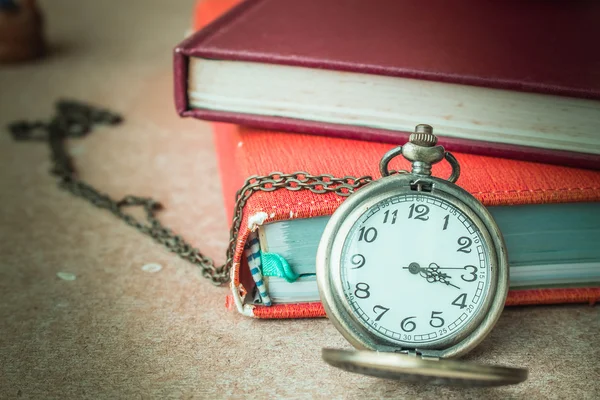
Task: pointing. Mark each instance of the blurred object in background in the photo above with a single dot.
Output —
(21, 31)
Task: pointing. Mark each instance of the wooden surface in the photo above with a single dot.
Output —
(117, 331)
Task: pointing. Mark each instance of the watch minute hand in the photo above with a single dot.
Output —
(438, 267)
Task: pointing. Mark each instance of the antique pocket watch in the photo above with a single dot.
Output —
(412, 270)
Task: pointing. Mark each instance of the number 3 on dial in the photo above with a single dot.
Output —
(472, 274)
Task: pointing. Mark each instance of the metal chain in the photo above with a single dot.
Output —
(294, 182)
(75, 119)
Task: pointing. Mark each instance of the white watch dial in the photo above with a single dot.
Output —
(415, 270)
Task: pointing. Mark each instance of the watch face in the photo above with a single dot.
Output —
(415, 270)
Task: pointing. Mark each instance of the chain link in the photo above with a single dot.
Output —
(75, 119)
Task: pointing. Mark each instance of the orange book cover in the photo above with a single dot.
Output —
(243, 152)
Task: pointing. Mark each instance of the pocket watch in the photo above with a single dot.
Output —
(413, 270)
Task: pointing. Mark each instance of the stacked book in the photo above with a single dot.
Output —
(328, 87)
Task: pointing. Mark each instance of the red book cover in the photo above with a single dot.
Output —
(243, 152)
(432, 41)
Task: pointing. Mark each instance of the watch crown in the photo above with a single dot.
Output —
(423, 136)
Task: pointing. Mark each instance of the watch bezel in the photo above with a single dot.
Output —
(329, 266)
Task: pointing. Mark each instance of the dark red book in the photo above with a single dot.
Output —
(501, 78)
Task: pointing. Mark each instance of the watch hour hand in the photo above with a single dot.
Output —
(450, 284)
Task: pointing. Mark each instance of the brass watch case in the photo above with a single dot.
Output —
(328, 268)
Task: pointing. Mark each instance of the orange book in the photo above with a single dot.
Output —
(243, 152)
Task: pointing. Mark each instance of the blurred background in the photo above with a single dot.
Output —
(80, 316)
